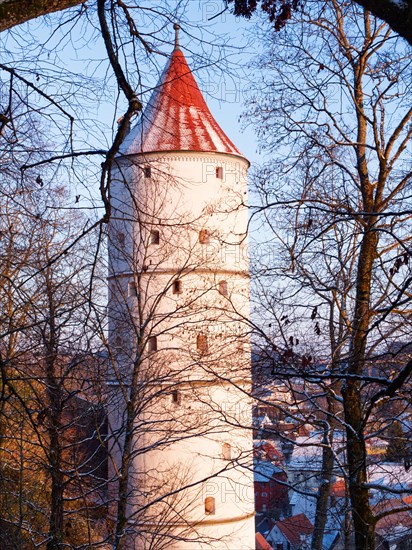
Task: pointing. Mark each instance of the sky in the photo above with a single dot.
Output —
(60, 53)
(225, 92)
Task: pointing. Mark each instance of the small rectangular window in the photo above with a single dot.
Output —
(176, 397)
(202, 343)
(152, 344)
(147, 172)
(219, 172)
(121, 239)
(223, 288)
(177, 287)
(132, 290)
(227, 451)
(204, 236)
(154, 236)
(210, 506)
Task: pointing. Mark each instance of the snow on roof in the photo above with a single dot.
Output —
(304, 504)
(264, 470)
(389, 475)
(307, 451)
(395, 527)
(177, 117)
(262, 421)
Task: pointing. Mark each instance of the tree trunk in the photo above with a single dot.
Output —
(322, 502)
(16, 12)
(363, 521)
(57, 491)
(55, 460)
(397, 14)
(362, 516)
(54, 410)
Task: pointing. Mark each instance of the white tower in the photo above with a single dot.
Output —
(178, 313)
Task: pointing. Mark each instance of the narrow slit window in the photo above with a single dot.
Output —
(177, 287)
(154, 236)
(132, 290)
(210, 506)
(219, 172)
(204, 236)
(227, 451)
(121, 239)
(147, 171)
(202, 343)
(223, 288)
(152, 344)
(176, 397)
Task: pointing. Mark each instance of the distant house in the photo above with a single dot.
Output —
(305, 470)
(394, 531)
(386, 477)
(267, 450)
(294, 533)
(271, 490)
(263, 426)
(305, 467)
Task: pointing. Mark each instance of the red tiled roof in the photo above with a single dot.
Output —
(262, 543)
(399, 519)
(292, 528)
(393, 503)
(266, 450)
(177, 117)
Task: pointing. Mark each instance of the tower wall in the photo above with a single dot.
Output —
(178, 320)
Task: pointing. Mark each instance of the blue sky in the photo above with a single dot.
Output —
(217, 46)
(224, 83)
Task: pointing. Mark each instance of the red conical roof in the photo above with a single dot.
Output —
(177, 117)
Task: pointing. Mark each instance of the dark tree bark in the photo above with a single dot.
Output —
(16, 12)
(54, 421)
(322, 502)
(363, 520)
(398, 15)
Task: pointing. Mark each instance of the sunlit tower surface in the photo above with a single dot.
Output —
(178, 324)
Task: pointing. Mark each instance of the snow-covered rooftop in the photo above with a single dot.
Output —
(264, 470)
(177, 117)
(307, 451)
(387, 476)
